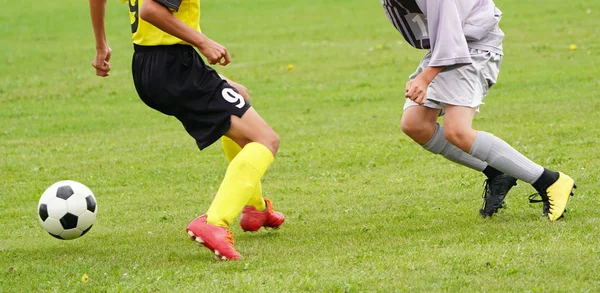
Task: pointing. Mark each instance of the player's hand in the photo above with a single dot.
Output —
(416, 90)
(214, 52)
(102, 62)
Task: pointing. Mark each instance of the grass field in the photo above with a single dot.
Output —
(367, 209)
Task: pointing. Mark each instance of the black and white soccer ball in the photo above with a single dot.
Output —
(67, 209)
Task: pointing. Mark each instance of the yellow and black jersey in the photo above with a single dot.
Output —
(145, 34)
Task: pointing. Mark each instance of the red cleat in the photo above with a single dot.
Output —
(218, 239)
(253, 219)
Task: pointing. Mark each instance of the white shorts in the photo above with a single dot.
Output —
(461, 85)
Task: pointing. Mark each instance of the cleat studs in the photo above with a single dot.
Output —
(223, 258)
(217, 253)
(199, 240)
(191, 234)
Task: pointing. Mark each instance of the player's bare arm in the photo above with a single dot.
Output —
(162, 18)
(416, 89)
(102, 60)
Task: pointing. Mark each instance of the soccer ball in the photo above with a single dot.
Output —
(67, 209)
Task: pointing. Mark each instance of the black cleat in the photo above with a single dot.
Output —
(494, 192)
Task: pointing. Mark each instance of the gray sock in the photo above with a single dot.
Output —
(500, 155)
(439, 145)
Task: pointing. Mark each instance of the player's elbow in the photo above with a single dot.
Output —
(149, 11)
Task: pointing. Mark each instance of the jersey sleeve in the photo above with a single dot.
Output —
(446, 36)
(173, 5)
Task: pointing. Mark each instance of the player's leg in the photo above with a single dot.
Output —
(554, 187)
(231, 149)
(252, 129)
(458, 130)
(214, 109)
(187, 101)
(468, 85)
(259, 211)
(420, 124)
(258, 143)
(241, 89)
(245, 131)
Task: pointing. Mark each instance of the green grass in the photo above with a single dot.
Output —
(367, 209)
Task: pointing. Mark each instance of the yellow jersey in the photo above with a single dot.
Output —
(145, 34)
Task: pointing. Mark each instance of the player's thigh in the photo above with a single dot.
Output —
(419, 122)
(419, 114)
(458, 118)
(458, 126)
(416, 116)
(241, 89)
(205, 106)
(250, 127)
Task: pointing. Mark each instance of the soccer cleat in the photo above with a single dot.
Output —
(557, 195)
(252, 219)
(216, 238)
(494, 192)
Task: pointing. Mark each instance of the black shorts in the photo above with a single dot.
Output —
(175, 81)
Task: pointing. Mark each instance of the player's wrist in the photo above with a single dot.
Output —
(430, 73)
(200, 40)
(102, 46)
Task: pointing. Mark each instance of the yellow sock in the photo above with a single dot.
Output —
(231, 149)
(240, 183)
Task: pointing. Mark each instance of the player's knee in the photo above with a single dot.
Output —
(268, 138)
(272, 142)
(456, 136)
(410, 128)
(242, 90)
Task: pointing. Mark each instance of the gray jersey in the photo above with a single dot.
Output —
(447, 27)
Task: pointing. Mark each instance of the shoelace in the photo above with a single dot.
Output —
(229, 238)
(486, 190)
(532, 198)
(269, 205)
(546, 203)
(486, 187)
(544, 198)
